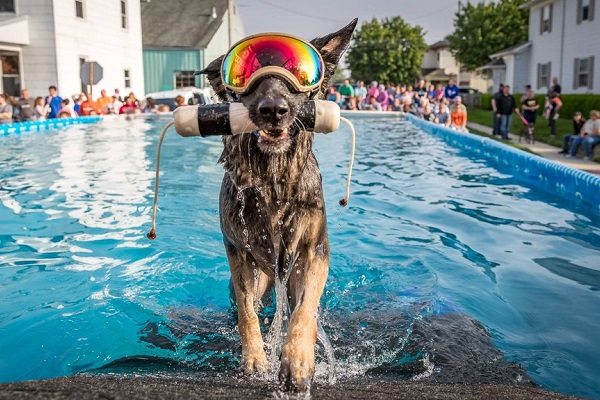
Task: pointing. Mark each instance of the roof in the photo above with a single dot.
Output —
(442, 44)
(180, 23)
(435, 73)
(532, 3)
(516, 49)
(498, 63)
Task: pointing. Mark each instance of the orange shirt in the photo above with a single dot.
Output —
(88, 106)
(458, 116)
(103, 102)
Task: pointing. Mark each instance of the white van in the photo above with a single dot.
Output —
(192, 96)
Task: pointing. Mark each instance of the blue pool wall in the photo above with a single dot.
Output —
(550, 176)
(54, 123)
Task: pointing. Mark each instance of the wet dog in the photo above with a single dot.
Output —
(528, 133)
(272, 213)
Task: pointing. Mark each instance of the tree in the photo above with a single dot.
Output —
(483, 29)
(387, 51)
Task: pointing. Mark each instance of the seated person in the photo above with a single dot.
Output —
(578, 122)
(458, 115)
(373, 104)
(396, 105)
(588, 137)
(442, 117)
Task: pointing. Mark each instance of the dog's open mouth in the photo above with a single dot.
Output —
(274, 135)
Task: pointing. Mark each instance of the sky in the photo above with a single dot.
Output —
(311, 18)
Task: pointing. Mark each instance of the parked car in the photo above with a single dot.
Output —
(191, 95)
(467, 90)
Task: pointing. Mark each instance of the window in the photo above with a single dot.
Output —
(583, 73)
(127, 78)
(546, 19)
(7, 6)
(585, 10)
(11, 76)
(543, 78)
(79, 11)
(124, 14)
(184, 79)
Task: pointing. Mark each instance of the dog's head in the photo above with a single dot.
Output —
(273, 103)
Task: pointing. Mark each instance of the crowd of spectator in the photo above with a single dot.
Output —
(436, 103)
(27, 108)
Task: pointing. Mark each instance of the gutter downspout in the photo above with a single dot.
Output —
(562, 44)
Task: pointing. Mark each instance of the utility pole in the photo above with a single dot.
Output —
(229, 20)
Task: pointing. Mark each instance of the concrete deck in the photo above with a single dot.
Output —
(546, 151)
(133, 387)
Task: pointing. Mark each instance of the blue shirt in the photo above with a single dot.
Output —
(450, 92)
(54, 106)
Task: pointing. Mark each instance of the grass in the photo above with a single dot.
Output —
(542, 130)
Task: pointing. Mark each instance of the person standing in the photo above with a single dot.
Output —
(505, 106)
(529, 105)
(496, 119)
(6, 110)
(555, 87)
(555, 105)
(26, 105)
(451, 90)
(103, 101)
(53, 101)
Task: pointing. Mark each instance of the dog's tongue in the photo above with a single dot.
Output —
(275, 135)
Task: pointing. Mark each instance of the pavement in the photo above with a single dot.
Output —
(546, 151)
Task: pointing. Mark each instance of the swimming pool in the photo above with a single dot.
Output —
(436, 244)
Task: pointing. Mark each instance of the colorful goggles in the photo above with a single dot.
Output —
(268, 54)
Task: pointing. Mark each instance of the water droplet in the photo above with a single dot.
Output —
(292, 230)
(269, 251)
(280, 222)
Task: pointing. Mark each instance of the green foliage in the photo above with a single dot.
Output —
(583, 103)
(482, 29)
(387, 51)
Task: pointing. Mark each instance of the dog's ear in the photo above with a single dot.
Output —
(332, 47)
(213, 74)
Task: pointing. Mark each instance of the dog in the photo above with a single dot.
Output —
(272, 212)
(528, 132)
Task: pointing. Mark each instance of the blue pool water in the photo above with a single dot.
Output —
(434, 246)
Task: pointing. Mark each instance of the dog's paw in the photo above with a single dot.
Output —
(297, 366)
(255, 364)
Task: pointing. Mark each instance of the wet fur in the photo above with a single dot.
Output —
(272, 209)
(528, 132)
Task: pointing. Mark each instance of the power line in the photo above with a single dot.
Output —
(300, 13)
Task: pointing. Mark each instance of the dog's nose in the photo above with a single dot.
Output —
(274, 108)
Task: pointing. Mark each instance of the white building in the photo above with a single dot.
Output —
(44, 42)
(563, 42)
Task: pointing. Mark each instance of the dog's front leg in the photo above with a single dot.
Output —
(254, 358)
(298, 353)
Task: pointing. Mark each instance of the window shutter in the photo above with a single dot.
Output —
(576, 74)
(579, 6)
(549, 74)
(542, 21)
(539, 76)
(591, 11)
(591, 73)
(550, 22)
